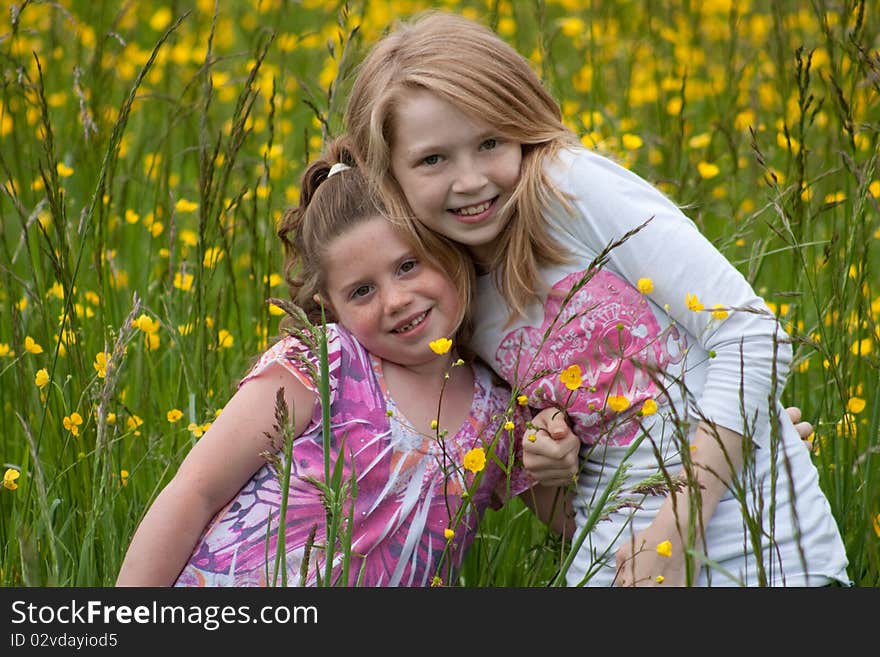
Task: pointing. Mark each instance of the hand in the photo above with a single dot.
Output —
(550, 451)
(804, 429)
(640, 564)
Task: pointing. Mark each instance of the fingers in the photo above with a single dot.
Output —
(550, 462)
(794, 413)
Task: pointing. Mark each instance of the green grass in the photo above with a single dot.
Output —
(146, 154)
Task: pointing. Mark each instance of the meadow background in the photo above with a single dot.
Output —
(147, 150)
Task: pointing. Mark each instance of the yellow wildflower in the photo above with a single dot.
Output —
(659, 579)
(618, 403)
(183, 281)
(173, 415)
(708, 170)
(508, 426)
(645, 285)
(475, 460)
(123, 477)
(664, 549)
(146, 324)
(4, 349)
(72, 422)
(448, 533)
(855, 405)
(877, 525)
(132, 423)
(31, 346)
(718, 312)
(434, 424)
(522, 400)
(63, 170)
(631, 142)
(440, 346)
(42, 378)
(225, 339)
(186, 206)
(693, 303)
(649, 407)
(100, 364)
(571, 377)
(9, 478)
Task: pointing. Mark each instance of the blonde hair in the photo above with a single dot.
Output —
(472, 68)
(329, 206)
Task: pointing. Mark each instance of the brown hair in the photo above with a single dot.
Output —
(328, 207)
(471, 67)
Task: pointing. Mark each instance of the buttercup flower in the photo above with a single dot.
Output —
(9, 478)
(123, 477)
(855, 405)
(31, 346)
(508, 426)
(100, 364)
(434, 424)
(42, 378)
(649, 407)
(664, 549)
(571, 377)
(440, 346)
(173, 415)
(475, 460)
(448, 533)
(72, 422)
(659, 579)
(718, 312)
(645, 285)
(693, 303)
(877, 525)
(522, 400)
(618, 403)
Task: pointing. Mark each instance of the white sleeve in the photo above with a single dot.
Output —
(752, 354)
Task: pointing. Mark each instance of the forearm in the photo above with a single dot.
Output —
(716, 458)
(552, 506)
(165, 538)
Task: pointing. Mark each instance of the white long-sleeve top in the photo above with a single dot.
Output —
(633, 347)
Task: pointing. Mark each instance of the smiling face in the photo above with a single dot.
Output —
(392, 301)
(456, 172)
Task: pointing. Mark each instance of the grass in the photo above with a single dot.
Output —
(147, 153)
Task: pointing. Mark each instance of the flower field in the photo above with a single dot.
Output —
(147, 151)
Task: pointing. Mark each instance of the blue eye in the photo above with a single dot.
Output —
(431, 160)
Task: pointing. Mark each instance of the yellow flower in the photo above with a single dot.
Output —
(183, 281)
(448, 533)
(434, 424)
(9, 478)
(855, 405)
(436, 581)
(146, 324)
(225, 339)
(100, 364)
(4, 348)
(708, 170)
(876, 524)
(693, 303)
(173, 415)
(195, 430)
(649, 407)
(31, 346)
(645, 285)
(664, 549)
(186, 206)
(718, 312)
(72, 422)
(532, 437)
(132, 423)
(508, 426)
(63, 170)
(475, 460)
(618, 403)
(631, 142)
(522, 400)
(42, 378)
(123, 477)
(659, 579)
(440, 346)
(152, 341)
(571, 377)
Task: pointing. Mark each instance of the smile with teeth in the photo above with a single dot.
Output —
(470, 210)
(411, 325)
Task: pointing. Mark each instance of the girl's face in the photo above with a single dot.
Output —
(391, 301)
(456, 172)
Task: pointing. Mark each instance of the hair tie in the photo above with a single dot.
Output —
(336, 168)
